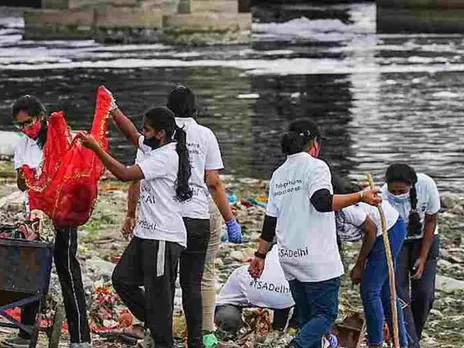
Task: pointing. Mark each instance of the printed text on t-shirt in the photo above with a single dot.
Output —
(147, 225)
(265, 286)
(194, 148)
(147, 194)
(289, 186)
(288, 253)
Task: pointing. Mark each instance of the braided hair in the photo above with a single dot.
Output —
(399, 172)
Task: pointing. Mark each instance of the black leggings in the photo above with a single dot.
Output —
(152, 264)
(69, 273)
(192, 264)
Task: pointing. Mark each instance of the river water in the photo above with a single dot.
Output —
(378, 98)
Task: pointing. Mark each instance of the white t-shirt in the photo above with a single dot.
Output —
(27, 152)
(160, 212)
(428, 200)
(271, 290)
(350, 219)
(204, 155)
(306, 238)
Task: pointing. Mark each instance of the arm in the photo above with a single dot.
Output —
(256, 268)
(267, 236)
(430, 224)
(133, 194)
(342, 201)
(218, 192)
(20, 182)
(118, 169)
(263, 246)
(325, 202)
(370, 235)
(126, 126)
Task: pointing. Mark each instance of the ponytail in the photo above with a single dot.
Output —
(414, 225)
(183, 191)
(292, 143)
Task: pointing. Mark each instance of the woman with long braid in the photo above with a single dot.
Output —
(416, 198)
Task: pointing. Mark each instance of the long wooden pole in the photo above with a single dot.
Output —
(391, 271)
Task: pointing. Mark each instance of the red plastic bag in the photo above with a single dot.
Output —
(66, 188)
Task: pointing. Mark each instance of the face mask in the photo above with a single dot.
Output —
(151, 142)
(398, 198)
(33, 130)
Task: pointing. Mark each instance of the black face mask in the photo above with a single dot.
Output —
(151, 142)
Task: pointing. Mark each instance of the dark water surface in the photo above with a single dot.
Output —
(378, 99)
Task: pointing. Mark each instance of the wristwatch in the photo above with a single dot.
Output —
(260, 255)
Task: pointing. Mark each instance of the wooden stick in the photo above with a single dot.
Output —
(391, 270)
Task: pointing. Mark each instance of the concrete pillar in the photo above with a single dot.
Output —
(143, 20)
(214, 6)
(55, 4)
(167, 6)
(58, 24)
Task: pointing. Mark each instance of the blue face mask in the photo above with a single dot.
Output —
(398, 198)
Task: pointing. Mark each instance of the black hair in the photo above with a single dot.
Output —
(30, 104)
(162, 118)
(342, 186)
(399, 172)
(182, 102)
(34, 108)
(299, 135)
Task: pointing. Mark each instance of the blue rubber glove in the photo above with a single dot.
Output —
(234, 231)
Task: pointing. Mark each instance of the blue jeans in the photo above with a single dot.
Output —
(419, 295)
(375, 288)
(317, 305)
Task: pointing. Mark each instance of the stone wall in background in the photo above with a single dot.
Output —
(420, 16)
(174, 21)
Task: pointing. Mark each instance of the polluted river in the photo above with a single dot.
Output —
(377, 98)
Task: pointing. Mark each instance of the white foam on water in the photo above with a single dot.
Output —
(329, 30)
(9, 21)
(446, 94)
(187, 54)
(275, 52)
(248, 96)
(125, 48)
(281, 66)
